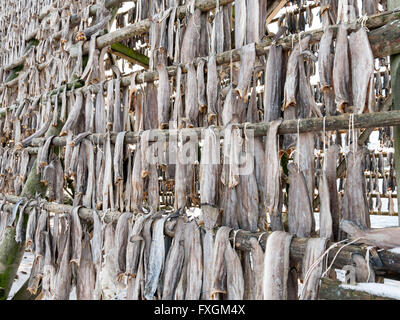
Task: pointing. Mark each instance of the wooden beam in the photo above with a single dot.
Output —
(129, 54)
(390, 261)
(366, 120)
(275, 11)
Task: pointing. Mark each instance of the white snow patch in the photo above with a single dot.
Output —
(395, 250)
(379, 289)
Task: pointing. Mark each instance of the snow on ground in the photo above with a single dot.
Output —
(380, 289)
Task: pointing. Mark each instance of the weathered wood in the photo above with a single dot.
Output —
(129, 54)
(332, 290)
(390, 261)
(367, 120)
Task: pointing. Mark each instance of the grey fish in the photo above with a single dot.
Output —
(134, 246)
(212, 88)
(96, 243)
(325, 59)
(256, 259)
(39, 238)
(385, 238)
(30, 230)
(325, 230)
(119, 157)
(240, 23)
(120, 242)
(300, 213)
(362, 67)
(76, 236)
(74, 115)
(273, 177)
(100, 121)
(86, 276)
(20, 228)
(273, 84)
(191, 102)
(190, 42)
(156, 259)
(355, 205)
(208, 254)
(117, 116)
(219, 268)
(253, 21)
(341, 69)
(194, 264)
(276, 266)
(247, 59)
(331, 160)
(49, 270)
(163, 91)
(234, 274)
(315, 249)
(201, 86)
(14, 211)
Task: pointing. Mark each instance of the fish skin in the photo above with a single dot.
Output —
(151, 116)
(247, 59)
(354, 203)
(100, 113)
(326, 229)
(325, 59)
(120, 243)
(256, 272)
(99, 176)
(212, 88)
(20, 228)
(248, 201)
(363, 271)
(300, 212)
(30, 230)
(191, 102)
(253, 21)
(272, 177)
(39, 239)
(191, 38)
(201, 86)
(330, 171)
(118, 157)
(49, 271)
(341, 70)
(117, 116)
(315, 249)
(43, 160)
(292, 74)
(240, 23)
(153, 188)
(156, 259)
(74, 114)
(194, 264)
(96, 243)
(177, 113)
(385, 238)
(137, 181)
(362, 67)
(163, 91)
(276, 266)
(86, 276)
(218, 28)
(234, 274)
(273, 84)
(181, 178)
(227, 9)
(232, 146)
(219, 268)
(76, 236)
(134, 246)
(110, 105)
(108, 194)
(64, 273)
(88, 199)
(208, 254)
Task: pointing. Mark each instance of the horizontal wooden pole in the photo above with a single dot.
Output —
(366, 120)
(390, 261)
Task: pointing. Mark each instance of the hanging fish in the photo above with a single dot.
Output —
(191, 38)
(212, 88)
(325, 59)
(86, 275)
(325, 216)
(362, 63)
(341, 70)
(276, 266)
(74, 115)
(120, 242)
(163, 90)
(240, 23)
(76, 236)
(273, 83)
(201, 86)
(247, 59)
(252, 21)
(300, 213)
(191, 102)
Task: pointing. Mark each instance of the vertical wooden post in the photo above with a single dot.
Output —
(395, 75)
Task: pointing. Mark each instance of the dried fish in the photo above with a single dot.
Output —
(151, 116)
(74, 115)
(96, 243)
(276, 266)
(208, 178)
(201, 86)
(273, 83)
(253, 21)
(272, 178)
(191, 38)
(234, 274)
(300, 213)
(191, 102)
(325, 230)
(315, 249)
(120, 242)
(292, 74)
(108, 192)
(86, 277)
(76, 236)
(325, 59)
(194, 264)
(212, 85)
(30, 230)
(341, 70)
(362, 67)
(208, 254)
(385, 238)
(247, 59)
(219, 269)
(118, 157)
(20, 228)
(135, 246)
(330, 172)
(254, 275)
(163, 91)
(355, 205)
(156, 259)
(240, 23)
